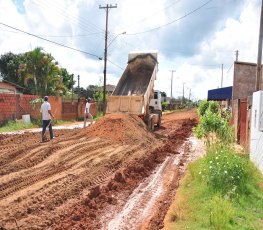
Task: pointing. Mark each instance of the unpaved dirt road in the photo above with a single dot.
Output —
(114, 174)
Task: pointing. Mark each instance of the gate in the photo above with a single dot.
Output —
(243, 122)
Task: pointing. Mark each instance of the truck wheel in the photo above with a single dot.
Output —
(159, 122)
(150, 124)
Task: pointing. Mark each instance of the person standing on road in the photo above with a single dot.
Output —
(46, 118)
(87, 112)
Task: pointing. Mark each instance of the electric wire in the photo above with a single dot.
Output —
(153, 14)
(173, 21)
(62, 36)
(88, 27)
(94, 55)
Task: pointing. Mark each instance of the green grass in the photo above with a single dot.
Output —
(11, 125)
(16, 125)
(197, 206)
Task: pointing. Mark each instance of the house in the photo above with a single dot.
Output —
(109, 88)
(7, 87)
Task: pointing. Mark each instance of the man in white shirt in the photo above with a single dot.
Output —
(46, 118)
(87, 112)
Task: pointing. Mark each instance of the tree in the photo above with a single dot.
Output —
(44, 72)
(32, 67)
(67, 79)
(10, 65)
(38, 72)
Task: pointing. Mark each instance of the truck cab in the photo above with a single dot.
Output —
(156, 101)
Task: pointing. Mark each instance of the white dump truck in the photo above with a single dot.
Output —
(134, 93)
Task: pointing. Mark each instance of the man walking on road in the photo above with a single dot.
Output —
(87, 112)
(46, 118)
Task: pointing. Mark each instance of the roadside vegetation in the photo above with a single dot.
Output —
(222, 190)
(15, 125)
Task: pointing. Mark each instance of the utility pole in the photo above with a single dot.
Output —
(107, 7)
(183, 93)
(72, 77)
(222, 75)
(236, 55)
(189, 98)
(258, 74)
(172, 83)
(78, 88)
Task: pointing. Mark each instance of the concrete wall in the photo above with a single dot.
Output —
(256, 136)
(244, 80)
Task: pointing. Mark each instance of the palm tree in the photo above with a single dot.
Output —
(51, 76)
(32, 70)
(44, 71)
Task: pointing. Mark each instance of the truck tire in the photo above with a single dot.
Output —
(151, 124)
(159, 122)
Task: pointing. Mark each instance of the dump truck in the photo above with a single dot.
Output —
(134, 93)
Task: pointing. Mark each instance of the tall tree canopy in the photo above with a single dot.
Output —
(36, 71)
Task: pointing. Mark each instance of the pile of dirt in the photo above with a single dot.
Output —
(129, 129)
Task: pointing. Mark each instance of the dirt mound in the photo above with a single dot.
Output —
(129, 129)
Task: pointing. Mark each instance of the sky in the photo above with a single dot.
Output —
(196, 40)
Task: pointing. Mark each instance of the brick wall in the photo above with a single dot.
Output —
(13, 106)
(244, 80)
(7, 106)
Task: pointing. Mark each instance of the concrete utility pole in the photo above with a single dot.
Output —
(183, 93)
(236, 55)
(172, 83)
(258, 74)
(72, 77)
(189, 98)
(107, 7)
(222, 75)
(78, 88)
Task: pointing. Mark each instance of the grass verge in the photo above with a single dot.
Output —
(16, 125)
(197, 206)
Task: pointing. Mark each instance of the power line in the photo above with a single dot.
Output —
(169, 23)
(57, 36)
(76, 20)
(94, 55)
(154, 14)
(115, 64)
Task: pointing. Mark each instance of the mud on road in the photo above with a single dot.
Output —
(101, 177)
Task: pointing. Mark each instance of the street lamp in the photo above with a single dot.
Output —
(105, 66)
(115, 38)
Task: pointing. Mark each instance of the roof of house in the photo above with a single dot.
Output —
(220, 93)
(110, 88)
(11, 83)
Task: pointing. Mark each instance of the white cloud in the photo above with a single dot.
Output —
(195, 46)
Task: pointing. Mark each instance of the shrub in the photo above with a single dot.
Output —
(225, 172)
(213, 106)
(212, 125)
(202, 107)
(164, 105)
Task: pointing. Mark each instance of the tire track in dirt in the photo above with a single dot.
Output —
(86, 213)
(67, 183)
(75, 151)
